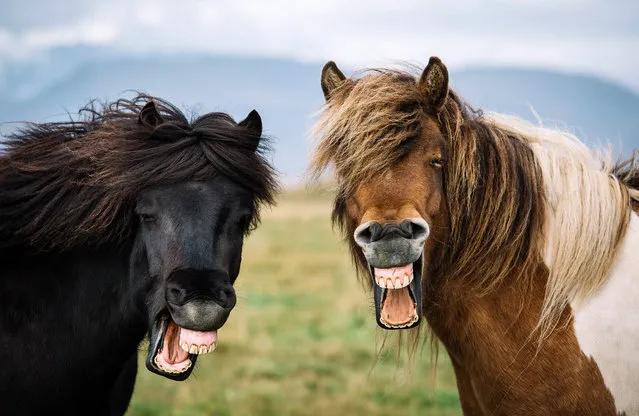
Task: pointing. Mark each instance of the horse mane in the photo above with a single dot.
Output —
(628, 172)
(74, 183)
(519, 195)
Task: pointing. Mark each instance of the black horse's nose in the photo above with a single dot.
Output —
(410, 229)
(200, 300)
(186, 285)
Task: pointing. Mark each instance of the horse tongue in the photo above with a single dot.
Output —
(171, 353)
(398, 307)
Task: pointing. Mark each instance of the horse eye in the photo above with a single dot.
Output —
(437, 162)
(148, 218)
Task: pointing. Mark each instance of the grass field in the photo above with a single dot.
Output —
(302, 339)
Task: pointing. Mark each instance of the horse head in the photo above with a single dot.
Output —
(389, 162)
(188, 245)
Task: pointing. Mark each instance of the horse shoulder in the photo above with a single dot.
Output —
(503, 370)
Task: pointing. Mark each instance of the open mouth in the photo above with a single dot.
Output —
(398, 295)
(173, 350)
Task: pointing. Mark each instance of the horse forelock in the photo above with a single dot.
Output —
(522, 196)
(367, 126)
(74, 183)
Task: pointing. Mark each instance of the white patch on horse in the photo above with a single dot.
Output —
(607, 325)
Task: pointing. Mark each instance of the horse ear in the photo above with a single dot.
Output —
(434, 83)
(332, 78)
(149, 115)
(253, 122)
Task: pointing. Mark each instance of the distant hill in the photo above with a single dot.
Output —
(284, 93)
(287, 94)
(596, 111)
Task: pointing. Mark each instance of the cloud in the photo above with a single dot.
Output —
(85, 32)
(573, 35)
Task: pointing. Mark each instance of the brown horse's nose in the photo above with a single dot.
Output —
(414, 229)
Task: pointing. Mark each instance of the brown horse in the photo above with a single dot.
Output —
(516, 243)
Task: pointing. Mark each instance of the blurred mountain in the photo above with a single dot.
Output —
(284, 93)
(597, 111)
(287, 94)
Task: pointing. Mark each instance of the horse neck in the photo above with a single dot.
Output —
(78, 275)
(458, 307)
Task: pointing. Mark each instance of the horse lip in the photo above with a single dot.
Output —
(156, 340)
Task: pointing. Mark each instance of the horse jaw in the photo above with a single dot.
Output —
(398, 295)
(165, 356)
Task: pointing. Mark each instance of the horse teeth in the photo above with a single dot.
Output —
(203, 349)
(193, 349)
(185, 346)
(394, 282)
(172, 370)
(399, 282)
(212, 347)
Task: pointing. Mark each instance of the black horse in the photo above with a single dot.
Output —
(125, 222)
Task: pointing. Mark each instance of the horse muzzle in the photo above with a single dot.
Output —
(394, 253)
(200, 300)
(198, 304)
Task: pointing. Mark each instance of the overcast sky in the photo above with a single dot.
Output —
(599, 37)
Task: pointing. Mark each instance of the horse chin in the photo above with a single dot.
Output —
(398, 295)
(166, 357)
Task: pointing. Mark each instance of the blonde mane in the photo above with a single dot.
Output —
(522, 196)
(587, 212)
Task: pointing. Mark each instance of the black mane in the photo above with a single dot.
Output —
(72, 183)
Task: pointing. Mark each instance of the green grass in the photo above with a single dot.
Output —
(302, 339)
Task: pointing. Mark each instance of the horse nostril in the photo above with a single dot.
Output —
(415, 229)
(175, 294)
(367, 233)
(221, 297)
(226, 297)
(407, 227)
